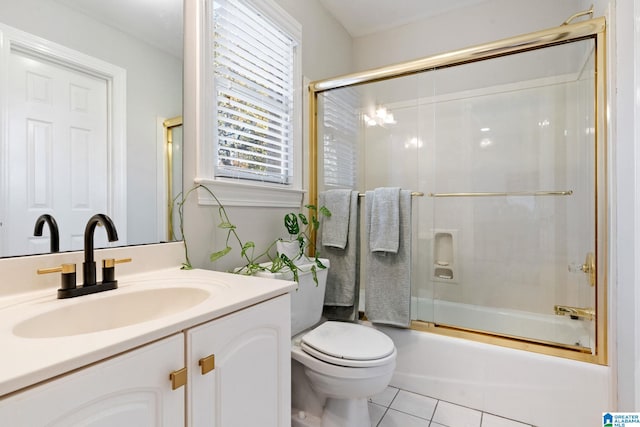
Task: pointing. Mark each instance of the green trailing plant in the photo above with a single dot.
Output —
(302, 234)
(268, 260)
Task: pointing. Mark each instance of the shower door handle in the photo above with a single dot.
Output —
(589, 267)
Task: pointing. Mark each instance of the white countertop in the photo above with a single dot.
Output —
(27, 361)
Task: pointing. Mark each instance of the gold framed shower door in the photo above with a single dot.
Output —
(567, 32)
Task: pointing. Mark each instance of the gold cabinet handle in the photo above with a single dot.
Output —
(178, 378)
(207, 364)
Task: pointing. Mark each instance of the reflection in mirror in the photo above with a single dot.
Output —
(89, 85)
(173, 151)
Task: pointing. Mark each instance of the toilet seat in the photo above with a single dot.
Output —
(348, 344)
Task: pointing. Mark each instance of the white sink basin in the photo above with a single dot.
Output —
(110, 312)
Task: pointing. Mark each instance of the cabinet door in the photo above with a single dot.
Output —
(130, 390)
(251, 382)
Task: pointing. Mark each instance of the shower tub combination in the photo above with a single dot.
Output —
(504, 147)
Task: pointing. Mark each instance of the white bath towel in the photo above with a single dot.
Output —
(388, 276)
(343, 279)
(384, 235)
(335, 228)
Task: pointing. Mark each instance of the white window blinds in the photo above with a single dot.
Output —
(340, 137)
(253, 64)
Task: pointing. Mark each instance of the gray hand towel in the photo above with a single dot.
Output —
(384, 235)
(335, 228)
(388, 276)
(343, 278)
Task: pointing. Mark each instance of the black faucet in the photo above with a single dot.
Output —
(54, 240)
(89, 265)
(68, 287)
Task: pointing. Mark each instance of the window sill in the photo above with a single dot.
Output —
(243, 194)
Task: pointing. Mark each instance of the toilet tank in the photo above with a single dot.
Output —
(308, 299)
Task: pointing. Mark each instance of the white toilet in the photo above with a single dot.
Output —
(335, 366)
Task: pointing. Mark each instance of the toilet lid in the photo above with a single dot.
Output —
(345, 342)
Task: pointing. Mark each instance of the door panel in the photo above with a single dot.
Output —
(58, 121)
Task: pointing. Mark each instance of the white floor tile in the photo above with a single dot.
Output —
(489, 420)
(400, 408)
(375, 413)
(414, 404)
(385, 397)
(452, 415)
(400, 419)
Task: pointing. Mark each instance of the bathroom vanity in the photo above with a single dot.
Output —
(199, 348)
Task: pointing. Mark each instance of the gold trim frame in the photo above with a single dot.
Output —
(589, 29)
(169, 125)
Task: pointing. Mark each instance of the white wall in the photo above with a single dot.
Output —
(326, 45)
(624, 76)
(154, 88)
(481, 23)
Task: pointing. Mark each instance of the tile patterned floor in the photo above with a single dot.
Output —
(399, 408)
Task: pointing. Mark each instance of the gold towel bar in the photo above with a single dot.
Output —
(413, 194)
(513, 193)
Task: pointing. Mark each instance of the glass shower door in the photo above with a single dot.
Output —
(513, 195)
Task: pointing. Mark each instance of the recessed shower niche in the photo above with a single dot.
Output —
(445, 256)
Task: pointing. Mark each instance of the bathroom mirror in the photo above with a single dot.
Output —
(142, 41)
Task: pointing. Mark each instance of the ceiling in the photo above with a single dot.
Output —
(158, 22)
(364, 17)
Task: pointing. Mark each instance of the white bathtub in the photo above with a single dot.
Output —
(545, 391)
(509, 322)
(542, 327)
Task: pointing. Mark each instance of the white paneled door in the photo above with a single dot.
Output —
(57, 152)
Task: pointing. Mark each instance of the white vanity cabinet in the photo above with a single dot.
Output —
(132, 389)
(248, 383)
(222, 368)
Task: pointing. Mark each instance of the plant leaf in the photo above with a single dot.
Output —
(217, 255)
(303, 218)
(226, 225)
(325, 211)
(277, 264)
(246, 247)
(291, 223)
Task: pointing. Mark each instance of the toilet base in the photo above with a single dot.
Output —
(346, 412)
(304, 419)
(337, 413)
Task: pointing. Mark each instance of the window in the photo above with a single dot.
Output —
(339, 137)
(256, 80)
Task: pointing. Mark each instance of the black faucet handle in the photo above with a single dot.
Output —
(67, 278)
(108, 268)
